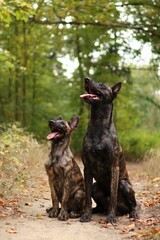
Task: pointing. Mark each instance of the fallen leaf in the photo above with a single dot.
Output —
(14, 202)
(40, 217)
(102, 221)
(2, 202)
(156, 179)
(7, 223)
(123, 232)
(130, 227)
(68, 223)
(46, 198)
(12, 230)
(155, 231)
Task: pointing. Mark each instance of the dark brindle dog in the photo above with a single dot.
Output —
(65, 179)
(103, 158)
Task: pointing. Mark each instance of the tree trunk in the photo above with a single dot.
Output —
(81, 74)
(16, 88)
(33, 99)
(24, 76)
(9, 94)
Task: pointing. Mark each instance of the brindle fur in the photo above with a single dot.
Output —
(103, 158)
(64, 176)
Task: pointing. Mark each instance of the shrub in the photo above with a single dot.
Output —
(138, 142)
(20, 157)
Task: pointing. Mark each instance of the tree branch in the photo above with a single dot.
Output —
(138, 4)
(109, 25)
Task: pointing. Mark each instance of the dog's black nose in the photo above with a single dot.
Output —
(87, 79)
(51, 121)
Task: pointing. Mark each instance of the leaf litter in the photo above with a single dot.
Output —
(147, 192)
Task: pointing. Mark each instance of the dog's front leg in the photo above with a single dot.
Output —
(64, 215)
(111, 217)
(53, 212)
(86, 217)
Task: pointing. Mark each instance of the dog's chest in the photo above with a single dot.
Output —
(99, 148)
(61, 161)
(58, 176)
(61, 164)
(98, 155)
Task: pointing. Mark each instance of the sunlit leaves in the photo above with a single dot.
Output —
(7, 60)
(21, 10)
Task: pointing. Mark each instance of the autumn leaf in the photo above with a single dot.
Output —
(130, 227)
(156, 179)
(14, 202)
(155, 231)
(12, 230)
(2, 202)
(46, 198)
(102, 221)
(40, 217)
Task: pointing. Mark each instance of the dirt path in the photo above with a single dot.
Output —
(24, 217)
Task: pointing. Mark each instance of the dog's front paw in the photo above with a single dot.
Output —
(133, 214)
(111, 218)
(63, 215)
(86, 217)
(48, 209)
(53, 212)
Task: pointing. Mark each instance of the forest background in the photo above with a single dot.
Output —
(47, 47)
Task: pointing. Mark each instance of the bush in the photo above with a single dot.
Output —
(138, 142)
(20, 157)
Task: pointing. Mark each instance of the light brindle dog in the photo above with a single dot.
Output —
(64, 175)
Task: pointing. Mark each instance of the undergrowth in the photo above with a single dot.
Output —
(151, 162)
(21, 158)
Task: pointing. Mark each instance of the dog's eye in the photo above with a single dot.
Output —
(102, 85)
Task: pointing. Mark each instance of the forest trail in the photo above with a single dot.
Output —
(25, 218)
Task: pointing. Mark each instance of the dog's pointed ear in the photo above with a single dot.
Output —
(116, 88)
(59, 117)
(73, 123)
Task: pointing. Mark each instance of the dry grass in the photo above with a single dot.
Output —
(152, 163)
(21, 158)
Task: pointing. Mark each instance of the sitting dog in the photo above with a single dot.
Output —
(65, 178)
(103, 158)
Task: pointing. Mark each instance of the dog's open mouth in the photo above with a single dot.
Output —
(54, 135)
(89, 95)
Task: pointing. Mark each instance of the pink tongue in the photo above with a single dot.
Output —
(89, 95)
(52, 135)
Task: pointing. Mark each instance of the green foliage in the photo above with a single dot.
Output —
(19, 9)
(136, 143)
(136, 117)
(13, 137)
(7, 59)
(34, 85)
